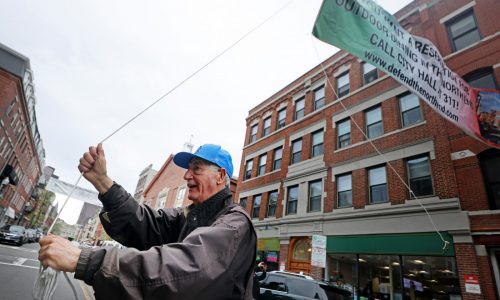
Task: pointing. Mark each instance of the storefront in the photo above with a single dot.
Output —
(268, 251)
(395, 266)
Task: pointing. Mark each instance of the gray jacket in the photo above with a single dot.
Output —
(202, 252)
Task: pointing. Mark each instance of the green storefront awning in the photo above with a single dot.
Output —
(268, 244)
(404, 244)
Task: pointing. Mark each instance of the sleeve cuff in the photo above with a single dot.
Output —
(81, 265)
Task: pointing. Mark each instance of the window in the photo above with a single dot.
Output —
(180, 197)
(278, 152)
(317, 143)
(253, 133)
(262, 164)
(296, 151)
(490, 164)
(344, 190)
(256, 206)
(343, 85)
(410, 110)
(463, 30)
(243, 202)
(162, 198)
(378, 185)
(315, 191)
(248, 169)
(292, 199)
(369, 73)
(267, 126)
(374, 122)
(299, 108)
(344, 133)
(419, 173)
(272, 200)
(319, 97)
(482, 78)
(281, 118)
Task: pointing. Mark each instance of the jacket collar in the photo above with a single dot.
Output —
(203, 214)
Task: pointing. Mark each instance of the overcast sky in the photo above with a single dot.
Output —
(98, 63)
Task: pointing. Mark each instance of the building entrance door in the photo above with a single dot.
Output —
(300, 255)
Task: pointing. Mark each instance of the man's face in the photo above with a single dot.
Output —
(203, 180)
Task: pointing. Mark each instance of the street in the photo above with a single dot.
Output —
(19, 269)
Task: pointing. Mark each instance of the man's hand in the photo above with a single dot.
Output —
(58, 253)
(262, 265)
(93, 166)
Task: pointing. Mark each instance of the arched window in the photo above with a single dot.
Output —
(302, 251)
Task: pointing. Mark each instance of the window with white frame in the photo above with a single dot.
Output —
(319, 97)
(253, 133)
(343, 85)
(419, 175)
(278, 153)
(272, 201)
(317, 143)
(162, 199)
(377, 180)
(267, 126)
(410, 110)
(292, 199)
(482, 78)
(256, 206)
(281, 118)
(369, 73)
(344, 133)
(299, 108)
(374, 126)
(315, 192)
(179, 200)
(248, 169)
(296, 151)
(262, 165)
(463, 30)
(344, 190)
(243, 202)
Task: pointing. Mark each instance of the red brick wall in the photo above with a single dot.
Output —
(468, 264)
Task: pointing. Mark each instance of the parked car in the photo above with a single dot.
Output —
(291, 286)
(13, 234)
(30, 235)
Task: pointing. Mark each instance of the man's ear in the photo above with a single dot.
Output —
(223, 174)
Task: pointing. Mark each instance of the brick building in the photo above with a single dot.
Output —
(307, 169)
(22, 155)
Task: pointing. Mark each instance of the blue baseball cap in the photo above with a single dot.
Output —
(209, 152)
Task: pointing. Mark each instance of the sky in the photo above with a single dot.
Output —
(97, 64)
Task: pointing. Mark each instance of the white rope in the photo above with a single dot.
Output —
(445, 242)
(46, 282)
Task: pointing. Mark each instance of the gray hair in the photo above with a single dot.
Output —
(216, 168)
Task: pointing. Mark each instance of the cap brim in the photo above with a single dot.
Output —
(182, 159)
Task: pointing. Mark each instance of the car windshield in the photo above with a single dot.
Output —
(13, 229)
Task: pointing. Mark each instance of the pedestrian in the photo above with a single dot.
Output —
(204, 251)
(260, 274)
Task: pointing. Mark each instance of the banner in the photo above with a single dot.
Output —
(367, 31)
(488, 113)
(318, 251)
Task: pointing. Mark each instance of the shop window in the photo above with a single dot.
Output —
(319, 97)
(317, 143)
(428, 277)
(281, 118)
(463, 30)
(343, 85)
(278, 153)
(262, 165)
(344, 190)
(292, 199)
(315, 192)
(378, 185)
(369, 73)
(256, 206)
(419, 175)
(380, 277)
(343, 272)
(344, 133)
(243, 202)
(374, 122)
(267, 127)
(296, 151)
(299, 108)
(248, 169)
(490, 164)
(253, 134)
(411, 112)
(272, 201)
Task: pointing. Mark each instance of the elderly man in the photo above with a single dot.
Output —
(203, 251)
